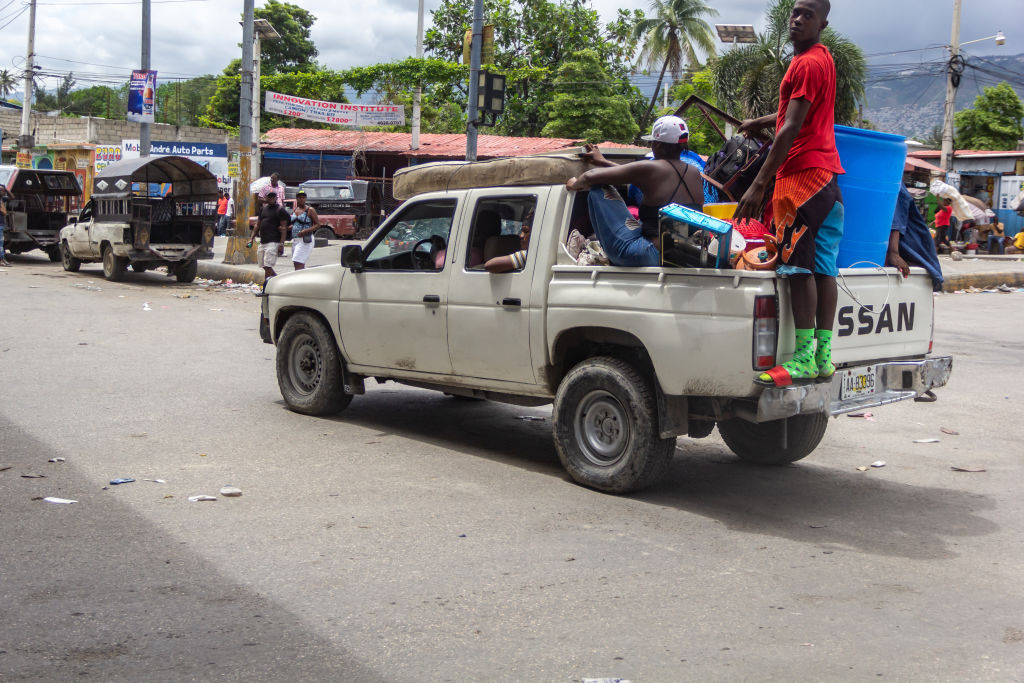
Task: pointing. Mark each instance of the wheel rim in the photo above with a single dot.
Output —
(108, 261)
(305, 364)
(602, 428)
(65, 255)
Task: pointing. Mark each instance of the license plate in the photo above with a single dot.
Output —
(858, 382)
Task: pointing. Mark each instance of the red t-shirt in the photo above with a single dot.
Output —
(811, 76)
(222, 206)
(942, 216)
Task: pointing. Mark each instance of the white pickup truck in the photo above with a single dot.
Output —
(630, 357)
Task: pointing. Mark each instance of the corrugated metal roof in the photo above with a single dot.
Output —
(432, 145)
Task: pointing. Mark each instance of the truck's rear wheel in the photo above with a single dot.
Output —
(309, 367)
(70, 263)
(606, 427)
(53, 251)
(325, 233)
(186, 270)
(113, 265)
(761, 443)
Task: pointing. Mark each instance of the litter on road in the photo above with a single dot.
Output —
(57, 460)
(231, 492)
(200, 499)
(33, 476)
(59, 501)
(951, 432)
(122, 480)
(156, 481)
(967, 469)
(926, 441)
(878, 463)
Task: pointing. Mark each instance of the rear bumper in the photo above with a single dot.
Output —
(896, 381)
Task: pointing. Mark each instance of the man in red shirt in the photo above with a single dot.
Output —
(807, 206)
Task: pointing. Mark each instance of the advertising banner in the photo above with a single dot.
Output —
(142, 97)
(335, 112)
(212, 155)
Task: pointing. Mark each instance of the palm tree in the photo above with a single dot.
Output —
(7, 83)
(672, 36)
(747, 79)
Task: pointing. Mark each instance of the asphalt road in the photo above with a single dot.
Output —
(419, 538)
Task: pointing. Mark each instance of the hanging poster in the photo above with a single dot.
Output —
(335, 112)
(142, 97)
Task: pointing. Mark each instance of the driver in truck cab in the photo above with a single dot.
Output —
(516, 260)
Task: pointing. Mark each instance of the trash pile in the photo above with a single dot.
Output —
(204, 283)
(1001, 289)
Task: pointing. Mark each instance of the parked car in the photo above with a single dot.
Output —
(630, 357)
(144, 213)
(41, 201)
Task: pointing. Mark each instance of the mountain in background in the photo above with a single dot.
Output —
(910, 101)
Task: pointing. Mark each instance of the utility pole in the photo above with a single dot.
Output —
(953, 71)
(474, 78)
(263, 31)
(237, 250)
(144, 138)
(26, 141)
(418, 93)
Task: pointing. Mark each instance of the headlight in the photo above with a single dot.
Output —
(207, 234)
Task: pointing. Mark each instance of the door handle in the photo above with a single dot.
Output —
(431, 299)
(511, 302)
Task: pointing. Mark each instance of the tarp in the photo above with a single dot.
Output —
(460, 175)
(188, 179)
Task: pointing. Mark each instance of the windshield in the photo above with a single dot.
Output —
(5, 175)
(327, 191)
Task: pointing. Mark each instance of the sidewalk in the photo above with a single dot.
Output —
(216, 269)
(982, 272)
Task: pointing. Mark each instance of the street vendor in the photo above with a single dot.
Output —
(807, 206)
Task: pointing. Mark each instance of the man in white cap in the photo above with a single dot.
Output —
(665, 179)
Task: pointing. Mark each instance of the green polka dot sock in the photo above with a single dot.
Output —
(823, 354)
(802, 365)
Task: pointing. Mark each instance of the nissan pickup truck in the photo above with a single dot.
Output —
(630, 358)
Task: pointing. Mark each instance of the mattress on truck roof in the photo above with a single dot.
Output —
(461, 175)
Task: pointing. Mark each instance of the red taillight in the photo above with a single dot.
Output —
(766, 329)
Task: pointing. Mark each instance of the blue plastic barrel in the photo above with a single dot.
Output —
(873, 163)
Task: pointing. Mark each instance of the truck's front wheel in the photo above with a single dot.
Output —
(606, 427)
(186, 271)
(309, 367)
(70, 263)
(762, 443)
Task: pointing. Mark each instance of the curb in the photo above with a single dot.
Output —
(225, 271)
(953, 283)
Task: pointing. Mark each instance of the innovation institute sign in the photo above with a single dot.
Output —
(335, 112)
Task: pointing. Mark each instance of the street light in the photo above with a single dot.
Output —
(736, 33)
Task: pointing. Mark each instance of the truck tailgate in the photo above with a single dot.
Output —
(882, 315)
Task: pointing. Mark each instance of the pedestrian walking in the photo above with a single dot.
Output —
(230, 213)
(304, 224)
(275, 186)
(4, 197)
(222, 213)
(807, 205)
(272, 223)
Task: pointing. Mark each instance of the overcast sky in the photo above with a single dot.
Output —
(194, 37)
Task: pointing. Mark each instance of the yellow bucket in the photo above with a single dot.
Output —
(724, 210)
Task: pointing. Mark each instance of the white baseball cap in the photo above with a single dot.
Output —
(670, 129)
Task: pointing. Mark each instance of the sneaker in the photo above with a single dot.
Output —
(5, 263)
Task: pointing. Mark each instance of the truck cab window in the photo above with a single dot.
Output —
(497, 225)
(416, 240)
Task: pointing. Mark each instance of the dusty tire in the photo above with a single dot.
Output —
(186, 272)
(309, 367)
(325, 234)
(606, 427)
(113, 265)
(70, 263)
(761, 443)
(140, 267)
(54, 253)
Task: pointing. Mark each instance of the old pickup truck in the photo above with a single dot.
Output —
(144, 213)
(631, 358)
(41, 201)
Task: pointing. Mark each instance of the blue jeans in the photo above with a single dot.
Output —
(995, 244)
(617, 230)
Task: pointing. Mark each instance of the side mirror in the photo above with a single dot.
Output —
(352, 257)
(72, 220)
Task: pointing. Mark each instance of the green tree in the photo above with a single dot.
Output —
(183, 102)
(64, 90)
(747, 79)
(585, 105)
(532, 38)
(993, 123)
(7, 83)
(97, 100)
(42, 100)
(671, 37)
(294, 50)
(704, 139)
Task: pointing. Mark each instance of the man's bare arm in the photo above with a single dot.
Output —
(753, 199)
